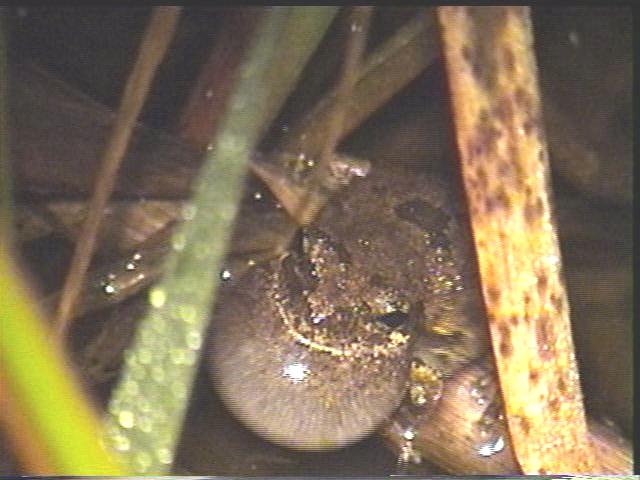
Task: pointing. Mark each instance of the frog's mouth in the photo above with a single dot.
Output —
(353, 332)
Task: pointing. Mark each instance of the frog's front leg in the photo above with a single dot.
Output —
(301, 186)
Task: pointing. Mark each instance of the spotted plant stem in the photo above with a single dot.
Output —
(148, 405)
(496, 104)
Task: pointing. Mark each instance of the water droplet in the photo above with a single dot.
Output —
(187, 313)
(203, 252)
(408, 454)
(179, 390)
(296, 372)
(144, 355)
(177, 355)
(231, 143)
(157, 373)
(492, 447)
(157, 297)
(121, 443)
(356, 27)
(143, 405)
(208, 94)
(209, 147)
(131, 387)
(144, 424)
(189, 211)
(574, 38)
(409, 434)
(190, 357)
(138, 372)
(114, 408)
(158, 325)
(126, 419)
(193, 339)
(225, 275)
(164, 455)
(257, 195)
(238, 102)
(418, 395)
(108, 285)
(178, 242)
(142, 461)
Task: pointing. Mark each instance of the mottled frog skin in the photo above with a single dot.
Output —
(312, 350)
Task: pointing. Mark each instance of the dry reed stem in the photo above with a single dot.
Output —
(152, 50)
(306, 209)
(496, 104)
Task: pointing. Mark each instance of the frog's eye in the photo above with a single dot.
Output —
(394, 319)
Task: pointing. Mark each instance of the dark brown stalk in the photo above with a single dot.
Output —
(387, 70)
(305, 205)
(38, 100)
(359, 22)
(152, 50)
(207, 100)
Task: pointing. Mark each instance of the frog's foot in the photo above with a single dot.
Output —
(469, 398)
(301, 186)
(423, 394)
(404, 426)
(490, 428)
(425, 387)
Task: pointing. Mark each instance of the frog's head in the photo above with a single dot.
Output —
(306, 372)
(314, 351)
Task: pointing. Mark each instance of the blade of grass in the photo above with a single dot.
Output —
(496, 104)
(41, 391)
(45, 415)
(152, 50)
(148, 405)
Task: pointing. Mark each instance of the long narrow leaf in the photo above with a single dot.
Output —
(148, 405)
(58, 430)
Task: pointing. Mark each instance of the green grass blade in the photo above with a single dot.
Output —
(148, 405)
